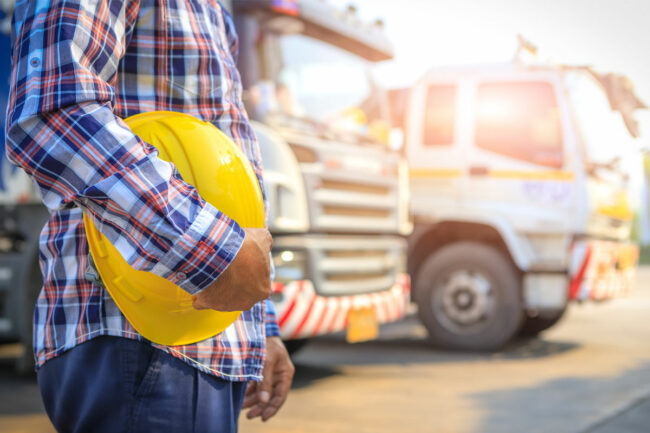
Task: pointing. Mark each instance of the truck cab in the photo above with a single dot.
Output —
(338, 194)
(519, 201)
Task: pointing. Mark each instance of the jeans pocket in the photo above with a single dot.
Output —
(150, 377)
(140, 365)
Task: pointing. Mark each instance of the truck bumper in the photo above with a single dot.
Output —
(302, 313)
(601, 269)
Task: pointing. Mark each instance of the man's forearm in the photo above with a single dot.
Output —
(63, 132)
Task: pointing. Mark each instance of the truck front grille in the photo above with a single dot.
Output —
(362, 204)
(356, 212)
(379, 190)
(344, 265)
(350, 188)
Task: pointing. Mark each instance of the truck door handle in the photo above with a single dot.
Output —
(478, 170)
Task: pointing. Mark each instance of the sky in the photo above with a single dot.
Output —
(610, 35)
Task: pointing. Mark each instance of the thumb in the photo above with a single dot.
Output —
(197, 304)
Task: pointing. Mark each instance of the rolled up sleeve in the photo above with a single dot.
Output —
(62, 130)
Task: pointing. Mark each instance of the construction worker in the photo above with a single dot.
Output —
(79, 68)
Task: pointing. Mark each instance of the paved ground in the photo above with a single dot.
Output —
(590, 374)
(632, 419)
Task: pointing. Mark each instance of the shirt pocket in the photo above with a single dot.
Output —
(196, 52)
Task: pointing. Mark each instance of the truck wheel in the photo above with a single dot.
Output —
(295, 346)
(534, 325)
(25, 363)
(469, 297)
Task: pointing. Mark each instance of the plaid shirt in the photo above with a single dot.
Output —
(80, 67)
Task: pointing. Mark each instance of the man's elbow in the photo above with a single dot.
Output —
(19, 138)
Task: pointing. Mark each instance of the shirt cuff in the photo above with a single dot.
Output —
(270, 320)
(205, 250)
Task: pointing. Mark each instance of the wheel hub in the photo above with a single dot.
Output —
(465, 299)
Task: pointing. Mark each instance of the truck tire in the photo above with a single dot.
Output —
(532, 326)
(469, 297)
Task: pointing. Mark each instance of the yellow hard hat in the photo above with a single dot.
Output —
(158, 309)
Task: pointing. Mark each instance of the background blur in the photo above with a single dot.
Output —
(611, 36)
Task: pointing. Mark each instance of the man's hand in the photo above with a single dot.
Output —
(246, 281)
(266, 397)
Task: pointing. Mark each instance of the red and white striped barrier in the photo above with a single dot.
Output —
(302, 313)
(601, 270)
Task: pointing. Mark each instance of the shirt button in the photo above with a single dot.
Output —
(35, 62)
(180, 276)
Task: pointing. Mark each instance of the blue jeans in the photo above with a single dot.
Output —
(113, 385)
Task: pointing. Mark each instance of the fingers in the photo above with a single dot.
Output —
(197, 304)
(280, 392)
(269, 408)
(269, 395)
(262, 395)
(251, 388)
(250, 398)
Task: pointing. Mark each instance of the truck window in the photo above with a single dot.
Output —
(440, 115)
(520, 120)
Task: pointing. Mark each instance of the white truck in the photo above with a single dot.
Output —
(338, 194)
(518, 198)
(339, 204)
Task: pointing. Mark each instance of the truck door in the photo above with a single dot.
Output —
(433, 148)
(518, 167)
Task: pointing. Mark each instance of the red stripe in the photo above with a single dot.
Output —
(335, 316)
(287, 313)
(305, 317)
(577, 280)
(277, 287)
(321, 319)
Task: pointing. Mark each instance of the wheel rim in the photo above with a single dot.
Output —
(464, 301)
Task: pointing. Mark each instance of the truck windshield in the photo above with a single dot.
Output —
(320, 81)
(307, 78)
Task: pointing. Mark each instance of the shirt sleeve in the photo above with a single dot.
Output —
(62, 130)
(270, 320)
(231, 34)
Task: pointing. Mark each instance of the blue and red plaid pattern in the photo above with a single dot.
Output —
(79, 68)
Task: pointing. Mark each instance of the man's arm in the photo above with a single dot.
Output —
(62, 131)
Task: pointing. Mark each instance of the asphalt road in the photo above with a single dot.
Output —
(590, 374)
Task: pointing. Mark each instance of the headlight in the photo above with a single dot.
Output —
(290, 265)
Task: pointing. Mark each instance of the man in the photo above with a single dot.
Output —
(79, 67)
